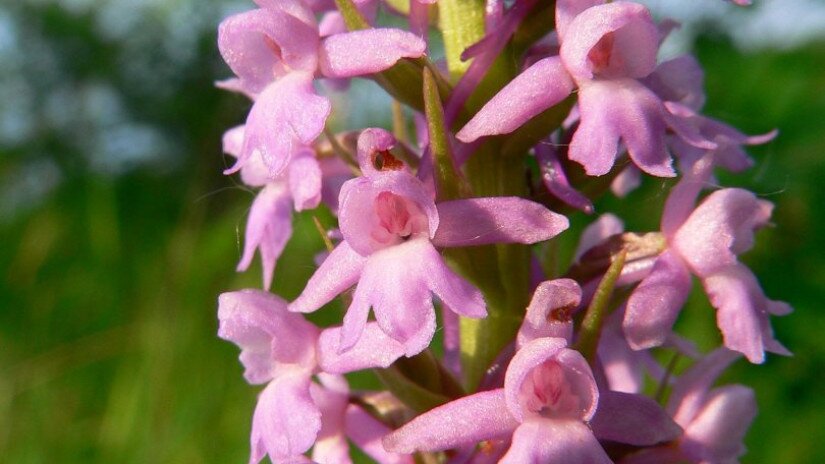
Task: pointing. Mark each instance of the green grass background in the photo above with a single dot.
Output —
(108, 284)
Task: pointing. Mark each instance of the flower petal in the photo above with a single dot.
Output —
(337, 273)
(742, 312)
(482, 221)
(682, 197)
(539, 87)
(576, 372)
(614, 40)
(287, 116)
(359, 218)
(461, 422)
(718, 431)
(268, 229)
(286, 420)
(550, 313)
(305, 181)
(614, 109)
(367, 51)
(331, 445)
(261, 43)
(453, 290)
(367, 433)
(540, 441)
(555, 180)
(566, 10)
(690, 389)
(601, 229)
(654, 305)
(679, 80)
(267, 334)
(373, 349)
(394, 284)
(253, 173)
(720, 228)
(632, 419)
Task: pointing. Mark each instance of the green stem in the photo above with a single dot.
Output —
(462, 24)
(591, 327)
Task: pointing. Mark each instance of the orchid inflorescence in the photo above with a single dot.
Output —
(540, 108)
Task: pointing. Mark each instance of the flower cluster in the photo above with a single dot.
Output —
(540, 361)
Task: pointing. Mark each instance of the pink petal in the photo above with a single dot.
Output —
(286, 420)
(331, 445)
(690, 389)
(539, 87)
(566, 10)
(337, 273)
(451, 341)
(373, 142)
(268, 229)
(465, 421)
(632, 419)
(720, 228)
(396, 283)
(622, 366)
(614, 40)
(286, 117)
(541, 441)
(482, 221)
(373, 349)
(679, 80)
(606, 226)
(453, 290)
(742, 312)
(718, 431)
(555, 180)
(654, 305)
(682, 197)
(268, 335)
(253, 173)
(367, 433)
(550, 313)
(358, 217)
(620, 109)
(305, 181)
(627, 181)
(367, 51)
(262, 44)
(576, 372)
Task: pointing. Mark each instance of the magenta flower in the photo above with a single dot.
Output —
(269, 226)
(281, 348)
(714, 420)
(706, 242)
(549, 395)
(605, 50)
(276, 52)
(391, 228)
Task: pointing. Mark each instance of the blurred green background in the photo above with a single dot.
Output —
(117, 231)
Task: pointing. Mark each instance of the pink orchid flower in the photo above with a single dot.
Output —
(391, 227)
(605, 50)
(277, 51)
(714, 420)
(294, 413)
(549, 395)
(705, 241)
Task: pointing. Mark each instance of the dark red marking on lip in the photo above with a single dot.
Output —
(384, 161)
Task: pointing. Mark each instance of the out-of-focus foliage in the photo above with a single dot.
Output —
(118, 232)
